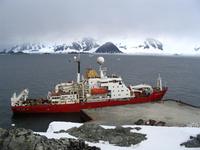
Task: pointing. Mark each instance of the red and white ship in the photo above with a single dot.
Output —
(94, 90)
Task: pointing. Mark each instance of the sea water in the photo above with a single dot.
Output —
(40, 73)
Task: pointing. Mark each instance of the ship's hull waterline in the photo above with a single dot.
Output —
(77, 107)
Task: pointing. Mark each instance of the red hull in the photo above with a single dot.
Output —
(155, 96)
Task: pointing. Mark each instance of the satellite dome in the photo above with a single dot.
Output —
(76, 58)
(100, 60)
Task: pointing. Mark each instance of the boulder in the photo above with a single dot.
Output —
(140, 122)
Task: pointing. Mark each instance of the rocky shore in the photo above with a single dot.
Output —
(25, 139)
(90, 136)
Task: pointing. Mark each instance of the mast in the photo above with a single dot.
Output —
(77, 60)
(159, 82)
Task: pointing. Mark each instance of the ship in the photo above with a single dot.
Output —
(94, 90)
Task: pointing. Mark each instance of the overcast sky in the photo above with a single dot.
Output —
(60, 20)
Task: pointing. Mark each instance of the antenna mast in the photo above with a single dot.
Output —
(77, 59)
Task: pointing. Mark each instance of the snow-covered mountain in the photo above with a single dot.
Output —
(29, 48)
(152, 43)
(149, 46)
(86, 45)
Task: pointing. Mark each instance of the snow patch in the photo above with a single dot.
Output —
(57, 126)
(158, 138)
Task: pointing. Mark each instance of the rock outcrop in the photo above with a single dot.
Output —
(197, 48)
(194, 142)
(108, 47)
(118, 136)
(23, 139)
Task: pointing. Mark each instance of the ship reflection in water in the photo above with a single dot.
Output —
(40, 122)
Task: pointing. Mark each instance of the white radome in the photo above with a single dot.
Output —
(75, 58)
(100, 60)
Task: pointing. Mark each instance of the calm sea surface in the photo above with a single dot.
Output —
(40, 73)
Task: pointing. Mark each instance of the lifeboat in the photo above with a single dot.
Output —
(96, 91)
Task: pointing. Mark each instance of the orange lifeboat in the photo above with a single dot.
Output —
(96, 91)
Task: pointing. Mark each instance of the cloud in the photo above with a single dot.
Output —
(54, 20)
